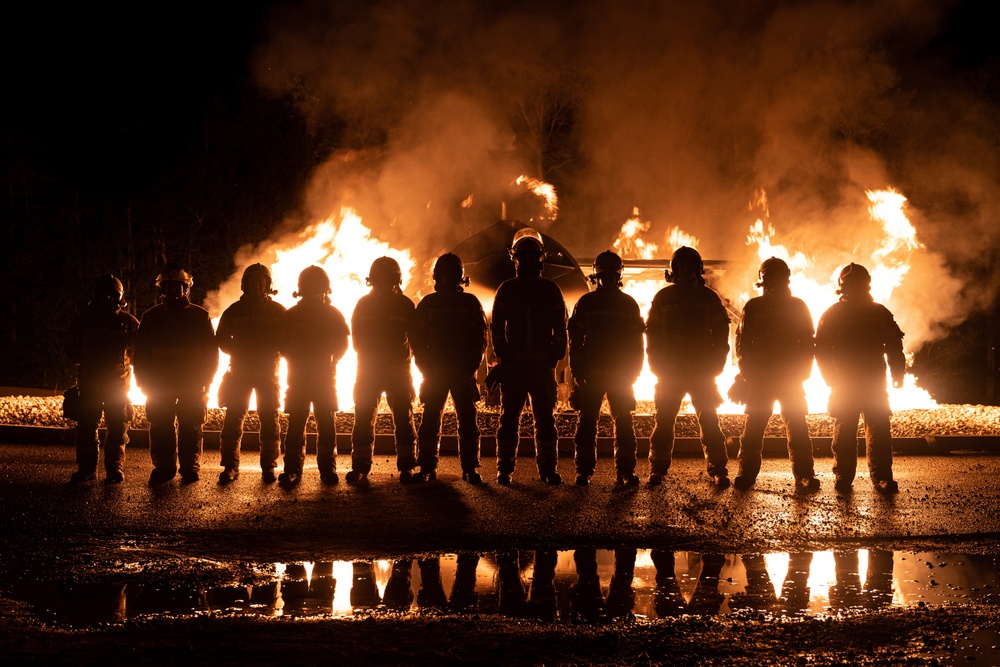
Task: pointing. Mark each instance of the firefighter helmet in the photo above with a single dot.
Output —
(385, 271)
(108, 289)
(313, 281)
(174, 273)
(685, 256)
(257, 270)
(853, 277)
(527, 240)
(771, 270)
(450, 270)
(607, 264)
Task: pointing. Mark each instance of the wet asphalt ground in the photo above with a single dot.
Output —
(945, 502)
(203, 535)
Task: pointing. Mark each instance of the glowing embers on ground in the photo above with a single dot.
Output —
(556, 585)
(887, 257)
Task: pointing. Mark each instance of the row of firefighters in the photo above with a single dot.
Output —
(686, 337)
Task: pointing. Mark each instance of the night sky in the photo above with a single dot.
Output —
(183, 133)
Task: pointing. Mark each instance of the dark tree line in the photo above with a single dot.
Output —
(121, 148)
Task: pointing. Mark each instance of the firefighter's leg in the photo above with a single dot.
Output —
(878, 437)
(270, 426)
(621, 401)
(543, 405)
(192, 410)
(88, 442)
(232, 428)
(585, 438)
(845, 448)
(751, 445)
(400, 401)
(433, 394)
(295, 439)
(363, 435)
(161, 412)
(513, 395)
(465, 398)
(667, 400)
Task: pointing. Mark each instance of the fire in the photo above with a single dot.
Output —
(345, 248)
(888, 264)
(546, 191)
(643, 282)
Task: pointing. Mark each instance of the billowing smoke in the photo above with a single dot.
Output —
(685, 110)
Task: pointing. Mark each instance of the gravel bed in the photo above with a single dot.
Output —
(943, 420)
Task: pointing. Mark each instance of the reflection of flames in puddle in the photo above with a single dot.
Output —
(888, 264)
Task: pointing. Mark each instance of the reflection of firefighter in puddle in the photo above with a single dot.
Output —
(313, 339)
(774, 351)
(589, 602)
(854, 340)
(759, 593)
(463, 591)
(398, 593)
(449, 339)
(848, 594)
(175, 361)
(605, 356)
(381, 326)
(687, 336)
(794, 599)
(100, 342)
(539, 601)
(528, 330)
(705, 601)
(248, 333)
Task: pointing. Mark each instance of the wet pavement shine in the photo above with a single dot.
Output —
(88, 555)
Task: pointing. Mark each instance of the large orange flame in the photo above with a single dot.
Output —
(345, 248)
(888, 264)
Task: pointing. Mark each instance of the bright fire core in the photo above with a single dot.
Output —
(345, 248)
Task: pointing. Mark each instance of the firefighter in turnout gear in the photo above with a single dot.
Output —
(855, 339)
(449, 339)
(175, 361)
(313, 339)
(605, 358)
(248, 333)
(774, 351)
(100, 342)
(528, 331)
(687, 342)
(382, 323)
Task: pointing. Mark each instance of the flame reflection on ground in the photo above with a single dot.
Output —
(557, 585)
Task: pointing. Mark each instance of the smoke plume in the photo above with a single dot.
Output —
(685, 110)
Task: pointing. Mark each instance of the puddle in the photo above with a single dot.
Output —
(585, 584)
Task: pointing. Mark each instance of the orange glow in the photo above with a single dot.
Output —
(546, 191)
(345, 248)
(888, 264)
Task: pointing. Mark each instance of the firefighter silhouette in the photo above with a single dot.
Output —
(605, 357)
(774, 351)
(449, 339)
(313, 339)
(175, 361)
(382, 322)
(101, 342)
(528, 331)
(687, 342)
(855, 339)
(248, 332)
